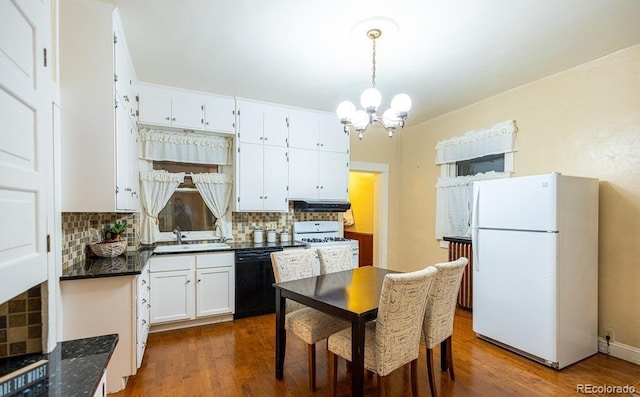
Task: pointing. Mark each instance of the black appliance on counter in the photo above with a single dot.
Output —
(255, 294)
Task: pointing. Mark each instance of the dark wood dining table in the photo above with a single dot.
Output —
(351, 294)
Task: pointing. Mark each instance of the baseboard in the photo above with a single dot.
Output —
(619, 350)
(190, 323)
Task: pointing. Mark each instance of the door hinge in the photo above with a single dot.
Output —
(238, 112)
(45, 57)
(233, 112)
(115, 77)
(287, 120)
(137, 98)
(115, 39)
(238, 149)
(201, 121)
(202, 107)
(233, 125)
(115, 103)
(137, 113)
(48, 243)
(238, 198)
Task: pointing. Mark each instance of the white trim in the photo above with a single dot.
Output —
(190, 323)
(619, 350)
(381, 219)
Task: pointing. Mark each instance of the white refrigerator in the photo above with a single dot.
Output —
(535, 276)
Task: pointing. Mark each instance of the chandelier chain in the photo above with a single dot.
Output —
(373, 65)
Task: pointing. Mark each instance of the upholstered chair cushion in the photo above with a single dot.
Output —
(290, 265)
(440, 312)
(393, 340)
(335, 258)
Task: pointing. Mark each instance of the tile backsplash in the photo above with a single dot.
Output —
(21, 324)
(245, 222)
(77, 232)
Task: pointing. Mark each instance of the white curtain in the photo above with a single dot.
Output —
(184, 147)
(157, 187)
(500, 138)
(454, 199)
(215, 190)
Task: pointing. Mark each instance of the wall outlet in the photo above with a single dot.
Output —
(611, 333)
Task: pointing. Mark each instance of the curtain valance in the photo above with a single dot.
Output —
(184, 147)
(500, 138)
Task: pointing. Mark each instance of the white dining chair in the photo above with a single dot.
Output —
(335, 258)
(440, 312)
(306, 323)
(393, 340)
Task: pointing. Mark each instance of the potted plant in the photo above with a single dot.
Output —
(113, 243)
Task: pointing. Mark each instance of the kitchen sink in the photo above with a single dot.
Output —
(179, 248)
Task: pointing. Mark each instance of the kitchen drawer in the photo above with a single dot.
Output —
(170, 263)
(221, 259)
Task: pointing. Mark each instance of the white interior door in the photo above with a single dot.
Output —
(26, 125)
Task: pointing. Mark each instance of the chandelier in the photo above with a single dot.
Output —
(392, 119)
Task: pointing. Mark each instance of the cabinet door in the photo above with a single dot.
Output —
(154, 106)
(303, 129)
(187, 111)
(219, 114)
(214, 291)
(332, 136)
(276, 131)
(123, 157)
(275, 178)
(333, 176)
(172, 296)
(251, 177)
(134, 181)
(250, 122)
(303, 174)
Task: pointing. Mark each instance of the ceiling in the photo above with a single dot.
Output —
(446, 54)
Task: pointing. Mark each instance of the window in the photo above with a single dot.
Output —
(474, 156)
(185, 209)
(480, 165)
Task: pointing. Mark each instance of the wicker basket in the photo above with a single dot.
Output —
(109, 250)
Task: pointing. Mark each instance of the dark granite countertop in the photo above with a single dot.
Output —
(457, 239)
(133, 262)
(74, 367)
(279, 244)
(129, 264)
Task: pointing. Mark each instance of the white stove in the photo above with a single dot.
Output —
(323, 234)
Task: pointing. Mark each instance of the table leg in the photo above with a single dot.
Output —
(357, 357)
(281, 335)
(444, 365)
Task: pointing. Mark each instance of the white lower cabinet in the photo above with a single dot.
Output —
(101, 390)
(191, 287)
(110, 305)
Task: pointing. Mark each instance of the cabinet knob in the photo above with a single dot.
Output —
(265, 197)
(261, 138)
(261, 197)
(318, 144)
(148, 306)
(317, 187)
(144, 321)
(199, 280)
(321, 187)
(144, 282)
(188, 281)
(167, 118)
(322, 144)
(173, 119)
(266, 138)
(144, 300)
(207, 123)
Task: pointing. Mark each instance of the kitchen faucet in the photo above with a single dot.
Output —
(178, 234)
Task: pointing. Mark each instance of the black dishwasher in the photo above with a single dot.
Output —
(255, 294)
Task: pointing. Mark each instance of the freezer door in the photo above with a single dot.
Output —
(514, 290)
(525, 203)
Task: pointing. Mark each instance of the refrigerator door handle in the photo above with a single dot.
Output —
(474, 229)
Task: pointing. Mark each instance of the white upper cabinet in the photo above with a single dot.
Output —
(97, 85)
(219, 114)
(262, 123)
(262, 178)
(183, 109)
(318, 131)
(318, 175)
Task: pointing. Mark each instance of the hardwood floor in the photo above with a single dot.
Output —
(237, 359)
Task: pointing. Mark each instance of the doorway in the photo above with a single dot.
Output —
(368, 194)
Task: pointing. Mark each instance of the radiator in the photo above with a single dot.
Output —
(458, 249)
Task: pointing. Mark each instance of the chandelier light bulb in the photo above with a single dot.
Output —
(390, 119)
(346, 111)
(370, 100)
(401, 103)
(360, 120)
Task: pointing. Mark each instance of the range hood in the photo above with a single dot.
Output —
(321, 205)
